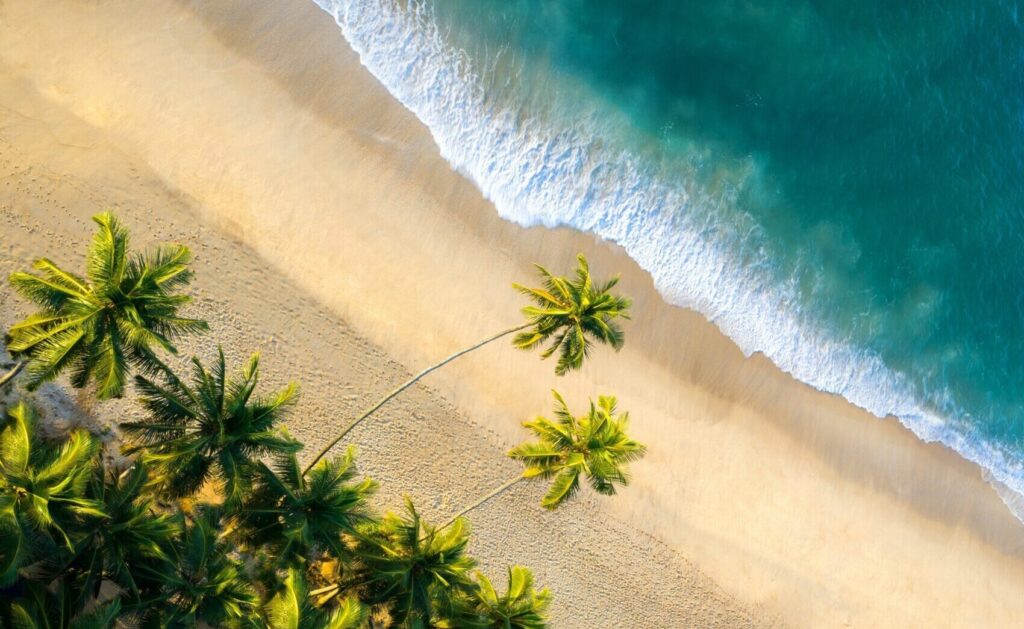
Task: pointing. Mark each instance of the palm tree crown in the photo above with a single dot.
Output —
(42, 489)
(574, 313)
(133, 532)
(213, 428)
(120, 313)
(595, 445)
(203, 582)
(407, 564)
(521, 607)
(297, 516)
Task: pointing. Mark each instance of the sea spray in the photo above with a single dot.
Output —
(702, 250)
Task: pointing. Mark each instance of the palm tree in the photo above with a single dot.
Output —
(521, 607)
(574, 313)
(214, 428)
(403, 565)
(42, 490)
(290, 608)
(201, 582)
(594, 445)
(133, 533)
(294, 517)
(119, 314)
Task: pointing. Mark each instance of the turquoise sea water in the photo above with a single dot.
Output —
(835, 184)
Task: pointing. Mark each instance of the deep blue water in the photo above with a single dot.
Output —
(836, 184)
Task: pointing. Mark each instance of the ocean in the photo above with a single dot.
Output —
(836, 185)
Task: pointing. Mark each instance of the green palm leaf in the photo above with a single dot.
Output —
(291, 608)
(201, 582)
(39, 607)
(131, 534)
(297, 518)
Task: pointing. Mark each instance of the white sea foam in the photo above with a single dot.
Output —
(536, 174)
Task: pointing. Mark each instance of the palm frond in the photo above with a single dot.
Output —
(107, 258)
(47, 294)
(563, 488)
(54, 355)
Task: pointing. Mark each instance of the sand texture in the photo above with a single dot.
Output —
(332, 237)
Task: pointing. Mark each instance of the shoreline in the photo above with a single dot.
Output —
(765, 483)
(540, 173)
(56, 172)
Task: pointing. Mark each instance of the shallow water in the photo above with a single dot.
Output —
(834, 184)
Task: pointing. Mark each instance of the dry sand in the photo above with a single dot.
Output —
(331, 236)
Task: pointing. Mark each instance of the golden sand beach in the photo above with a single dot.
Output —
(332, 236)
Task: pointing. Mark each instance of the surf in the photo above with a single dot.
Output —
(539, 166)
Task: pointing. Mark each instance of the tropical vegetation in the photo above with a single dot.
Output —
(594, 445)
(120, 314)
(203, 516)
(573, 314)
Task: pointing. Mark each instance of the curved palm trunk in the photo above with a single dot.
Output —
(7, 377)
(373, 409)
(500, 490)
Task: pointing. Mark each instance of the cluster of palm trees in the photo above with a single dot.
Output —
(212, 521)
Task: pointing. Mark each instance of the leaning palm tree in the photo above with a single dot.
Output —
(97, 326)
(42, 491)
(294, 518)
(212, 429)
(594, 445)
(521, 607)
(291, 608)
(571, 313)
(403, 564)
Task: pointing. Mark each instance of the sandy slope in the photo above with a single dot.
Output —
(329, 232)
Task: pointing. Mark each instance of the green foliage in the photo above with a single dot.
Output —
(133, 533)
(292, 608)
(84, 545)
(215, 428)
(42, 490)
(40, 607)
(595, 445)
(572, 313)
(200, 581)
(406, 564)
(520, 607)
(296, 517)
(97, 326)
